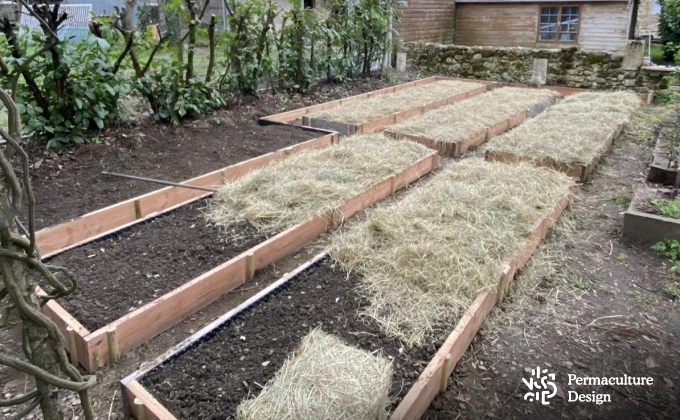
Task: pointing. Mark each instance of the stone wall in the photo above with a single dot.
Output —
(570, 67)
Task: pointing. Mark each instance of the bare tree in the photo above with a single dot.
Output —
(20, 263)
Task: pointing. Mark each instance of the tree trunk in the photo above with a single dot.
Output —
(38, 347)
(128, 15)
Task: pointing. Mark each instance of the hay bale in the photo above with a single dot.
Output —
(457, 122)
(324, 379)
(425, 258)
(575, 130)
(381, 105)
(281, 195)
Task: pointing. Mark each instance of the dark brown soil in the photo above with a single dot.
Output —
(133, 267)
(72, 185)
(211, 379)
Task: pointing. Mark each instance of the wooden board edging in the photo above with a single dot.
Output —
(458, 148)
(99, 223)
(132, 389)
(296, 114)
(582, 172)
(151, 319)
(426, 388)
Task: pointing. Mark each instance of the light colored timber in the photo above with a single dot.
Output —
(423, 392)
(94, 225)
(155, 317)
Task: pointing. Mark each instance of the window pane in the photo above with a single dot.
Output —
(567, 37)
(545, 10)
(553, 10)
(553, 19)
(548, 28)
(546, 37)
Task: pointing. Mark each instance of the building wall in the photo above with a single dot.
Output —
(648, 17)
(427, 21)
(572, 67)
(603, 26)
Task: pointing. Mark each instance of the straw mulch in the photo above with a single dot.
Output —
(381, 105)
(424, 259)
(457, 122)
(324, 379)
(575, 130)
(282, 195)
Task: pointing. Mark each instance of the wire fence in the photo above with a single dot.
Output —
(75, 28)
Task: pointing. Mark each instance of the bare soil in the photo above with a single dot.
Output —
(106, 396)
(588, 305)
(211, 379)
(132, 267)
(70, 184)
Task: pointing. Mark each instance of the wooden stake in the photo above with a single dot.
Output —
(73, 353)
(250, 266)
(393, 184)
(140, 413)
(445, 374)
(114, 352)
(138, 210)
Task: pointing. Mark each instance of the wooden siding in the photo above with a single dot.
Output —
(604, 26)
(427, 21)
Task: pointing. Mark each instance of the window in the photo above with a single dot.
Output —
(558, 23)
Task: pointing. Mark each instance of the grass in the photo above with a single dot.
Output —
(642, 300)
(657, 54)
(282, 195)
(324, 379)
(575, 130)
(456, 123)
(462, 226)
(622, 199)
(381, 105)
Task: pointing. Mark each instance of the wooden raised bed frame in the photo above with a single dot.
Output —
(139, 403)
(456, 149)
(645, 228)
(290, 117)
(95, 349)
(99, 223)
(577, 170)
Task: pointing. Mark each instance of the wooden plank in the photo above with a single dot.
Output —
(153, 410)
(473, 140)
(416, 171)
(54, 311)
(157, 201)
(409, 113)
(497, 128)
(155, 317)
(56, 238)
(517, 119)
(365, 199)
(376, 125)
(288, 241)
(421, 394)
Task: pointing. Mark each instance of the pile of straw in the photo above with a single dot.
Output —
(575, 130)
(459, 121)
(324, 379)
(381, 105)
(424, 259)
(281, 195)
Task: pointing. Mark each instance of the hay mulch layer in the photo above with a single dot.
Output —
(135, 266)
(280, 196)
(425, 258)
(324, 379)
(457, 122)
(576, 130)
(213, 377)
(382, 105)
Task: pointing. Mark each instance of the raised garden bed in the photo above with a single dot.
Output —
(642, 223)
(96, 224)
(211, 372)
(70, 185)
(94, 349)
(663, 169)
(453, 129)
(575, 149)
(402, 109)
(380, 110)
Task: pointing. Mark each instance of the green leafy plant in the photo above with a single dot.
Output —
(672, 289)
(622, 199)
(669, 249)
(668, 208)
(642, 300)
